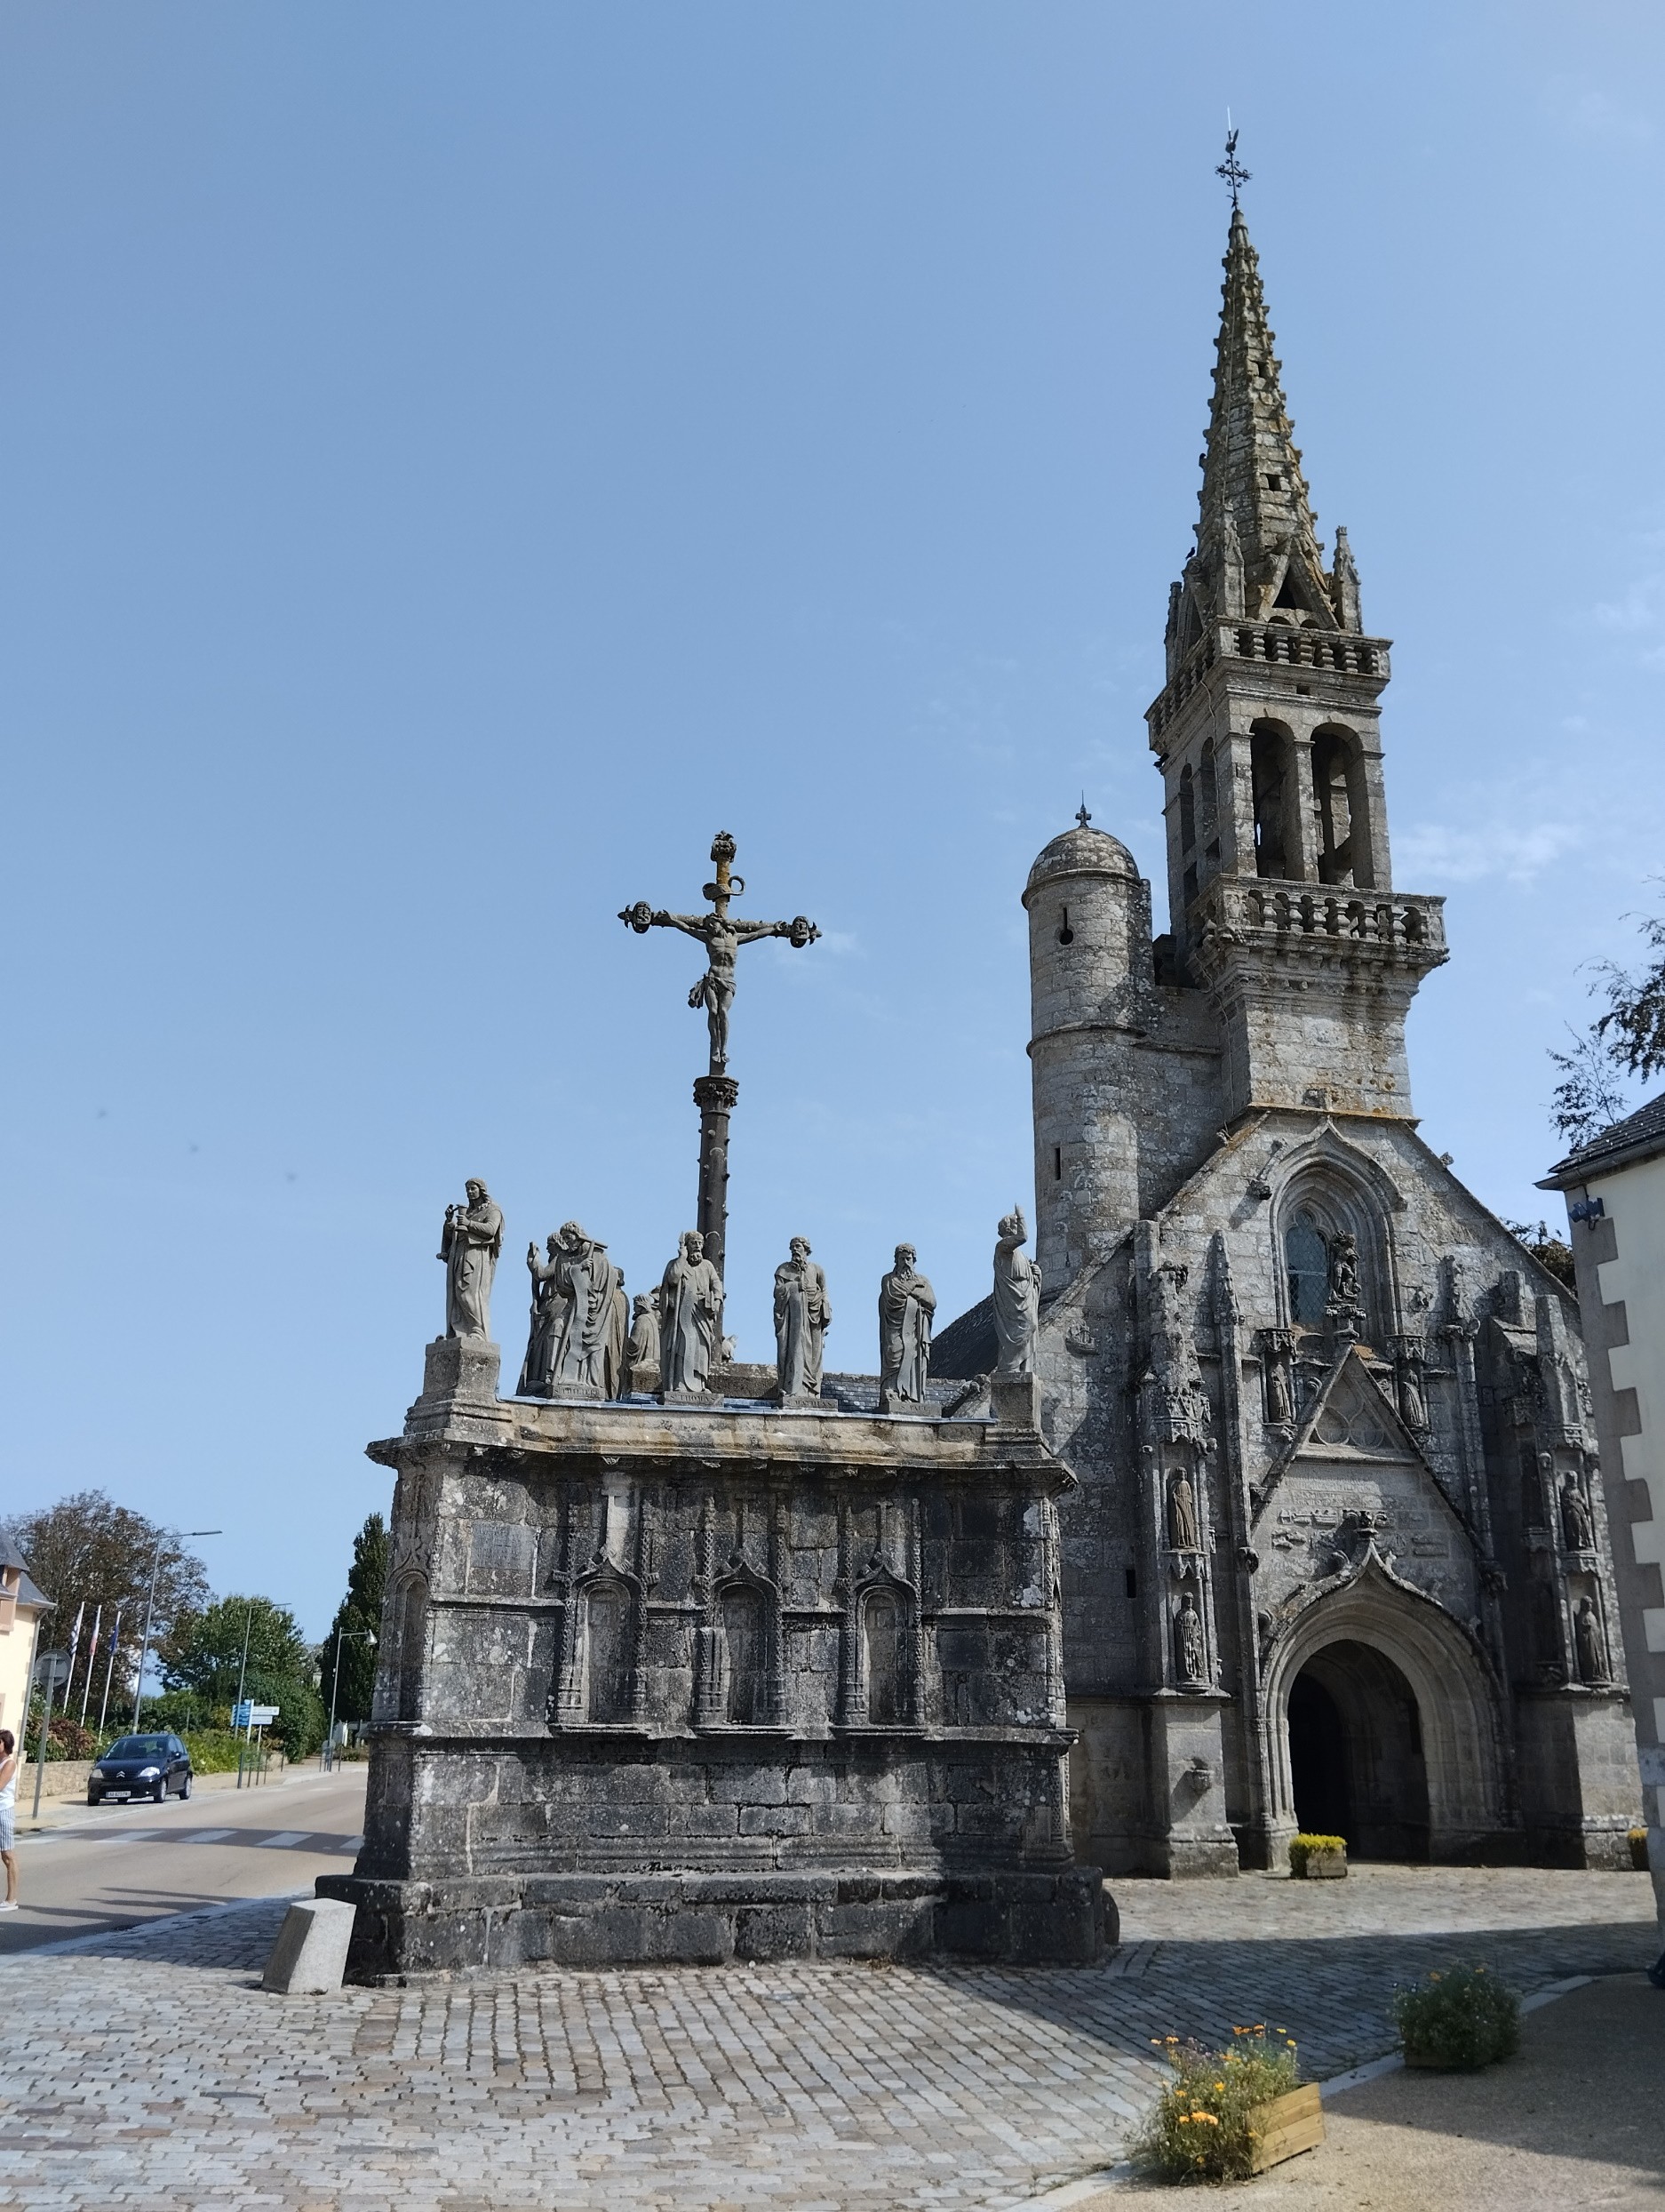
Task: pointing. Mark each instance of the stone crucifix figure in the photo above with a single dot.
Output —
(722, 936)
(716, 1093)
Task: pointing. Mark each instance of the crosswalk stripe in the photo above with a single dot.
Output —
(284, 1840)
(206, 1835)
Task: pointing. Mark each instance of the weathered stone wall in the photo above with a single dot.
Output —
(671, 1682)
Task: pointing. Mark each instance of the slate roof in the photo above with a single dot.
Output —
(29, 1592)
(1638, 1137)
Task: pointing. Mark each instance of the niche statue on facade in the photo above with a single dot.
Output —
(907, 1306)
(1182, 1405)
(470, 1241)
(1188, 1656)
(1277, 1353)
(1408, 1382)
(1342, 1310)
(690, 1319)
(1016, 1297)
(802, 1317)
(1183, 1532)
(1578, 1527)
(1590, 1643)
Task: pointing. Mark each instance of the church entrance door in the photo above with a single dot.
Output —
(1355, 1760)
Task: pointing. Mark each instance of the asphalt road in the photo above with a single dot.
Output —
(106, 1866)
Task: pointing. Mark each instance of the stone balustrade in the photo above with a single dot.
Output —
(1335, 652)
(1237, 910)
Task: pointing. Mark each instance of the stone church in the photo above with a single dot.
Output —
(1338, 1560)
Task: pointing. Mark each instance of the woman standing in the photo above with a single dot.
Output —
(8, 1808)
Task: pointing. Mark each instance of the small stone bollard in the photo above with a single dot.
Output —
(309, 1957)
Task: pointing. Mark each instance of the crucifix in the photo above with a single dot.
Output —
(716, 1093)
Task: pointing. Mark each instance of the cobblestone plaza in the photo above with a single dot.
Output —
(149, 2069)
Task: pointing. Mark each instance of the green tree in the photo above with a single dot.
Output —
(86, 1552)
(1628, 1041)
(360, 1610)
(202, 1656)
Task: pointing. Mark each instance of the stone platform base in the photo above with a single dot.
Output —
(408, 1931)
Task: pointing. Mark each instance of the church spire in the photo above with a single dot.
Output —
(1258, 556)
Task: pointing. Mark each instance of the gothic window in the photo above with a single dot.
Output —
(607, 1652)
(1307, 1257)
(1268, 762)
(743, 1629)
(883, 1629)
(1187, 810)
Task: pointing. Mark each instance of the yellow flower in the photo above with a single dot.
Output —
(1208, 2117)
(1219, 2085)
(1435, 1977)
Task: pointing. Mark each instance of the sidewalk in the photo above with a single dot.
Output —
(1577, 2119)
(149, 2069)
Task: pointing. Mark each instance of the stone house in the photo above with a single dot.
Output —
(1339, 1557)
(1615, 1188)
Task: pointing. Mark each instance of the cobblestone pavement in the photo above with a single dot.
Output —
(148, 2070)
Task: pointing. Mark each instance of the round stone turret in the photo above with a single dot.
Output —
(1090, 975)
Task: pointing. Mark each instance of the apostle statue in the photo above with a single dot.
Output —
(690, 1318)
(1016, 1297)
(907, 1305)
(469, 1244)
(537, 1370)
(1181, 1515)
(802, 1318)
(641, 1353)
(1187, 1658)
(1586, 1641)
(1280, 1396)
(1413, 1402)
(590, 1348)
(1577, 1527)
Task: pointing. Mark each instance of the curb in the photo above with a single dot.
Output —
(1105, 2177)
(148, 1928)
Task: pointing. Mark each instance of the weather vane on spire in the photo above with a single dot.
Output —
(1231, 169)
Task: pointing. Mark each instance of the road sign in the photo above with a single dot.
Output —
(52, 1667)
(239, 1714)
(263, 1716)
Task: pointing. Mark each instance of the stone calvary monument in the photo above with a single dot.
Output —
(682, 1661)
(1268, 1496)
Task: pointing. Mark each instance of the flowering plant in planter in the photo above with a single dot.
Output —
(1211, 2122)
(1313, 1858)
(1461, 2017)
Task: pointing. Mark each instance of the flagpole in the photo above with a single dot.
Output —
(115, 1637)
(92, 1660)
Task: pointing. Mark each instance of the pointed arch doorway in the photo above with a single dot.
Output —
(1357, 1764)
(1382, 1725)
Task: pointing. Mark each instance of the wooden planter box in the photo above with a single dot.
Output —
(1325, 1866)
(1287, 2125)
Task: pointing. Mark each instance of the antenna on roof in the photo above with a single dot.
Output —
(1231, 169)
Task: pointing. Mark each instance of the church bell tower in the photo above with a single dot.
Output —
(1267, 732)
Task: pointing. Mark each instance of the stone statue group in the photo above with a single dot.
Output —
(587, 1341)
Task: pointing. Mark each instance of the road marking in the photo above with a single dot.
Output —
(285, 1840)
(205, 1835)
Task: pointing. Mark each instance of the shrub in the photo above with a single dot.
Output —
(1202, 2128)
(214, 1751)
(1301, 1848)
(1461, 2017)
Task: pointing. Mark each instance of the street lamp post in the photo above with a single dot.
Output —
(143, 1648)
(342, 1635)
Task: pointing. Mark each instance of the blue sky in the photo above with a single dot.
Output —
(454, 461)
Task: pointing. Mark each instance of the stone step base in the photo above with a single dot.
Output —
(493, 1922)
